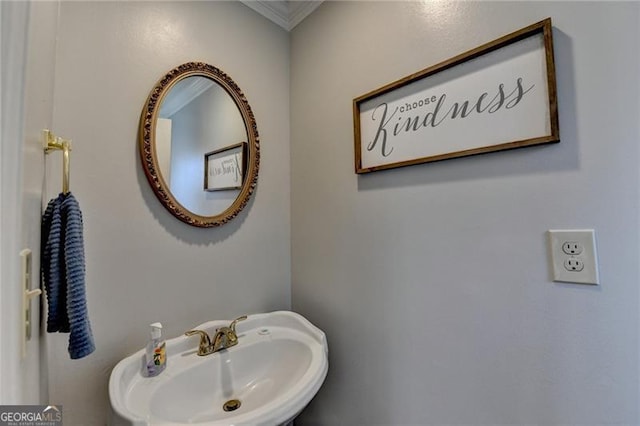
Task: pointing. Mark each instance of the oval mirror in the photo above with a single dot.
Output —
(199, 145)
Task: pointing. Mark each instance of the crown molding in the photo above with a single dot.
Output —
(286, 14)
(182, 93)
(298, 10)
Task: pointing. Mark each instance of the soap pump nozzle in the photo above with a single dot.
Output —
(156, 330)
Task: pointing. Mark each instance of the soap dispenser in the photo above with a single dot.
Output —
(156, 356)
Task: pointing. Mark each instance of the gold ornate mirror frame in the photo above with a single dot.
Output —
(148, 149)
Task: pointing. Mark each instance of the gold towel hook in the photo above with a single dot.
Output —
(52, 143)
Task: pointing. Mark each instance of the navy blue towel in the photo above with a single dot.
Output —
(63, 274)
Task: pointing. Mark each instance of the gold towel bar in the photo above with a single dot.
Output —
(53, 143)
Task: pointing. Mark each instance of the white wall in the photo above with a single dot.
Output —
(143, 265)
(40, 73)
(13, 40)
(27, 85)
(432, 281)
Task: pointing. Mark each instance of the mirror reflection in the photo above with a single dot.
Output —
(196, 117)
(199, 145)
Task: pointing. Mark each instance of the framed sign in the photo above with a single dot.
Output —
(224, 168)
(498, 96)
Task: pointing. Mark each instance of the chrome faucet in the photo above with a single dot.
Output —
(224, 338)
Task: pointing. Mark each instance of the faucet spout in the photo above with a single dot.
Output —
(224, 338)
(204, 348)
(221, 340)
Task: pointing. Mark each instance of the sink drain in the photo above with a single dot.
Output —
(231, 405)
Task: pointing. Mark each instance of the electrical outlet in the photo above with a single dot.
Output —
(573, 256)
(574, 264)
(572, 248)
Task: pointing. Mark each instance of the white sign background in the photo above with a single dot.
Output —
(224, 171)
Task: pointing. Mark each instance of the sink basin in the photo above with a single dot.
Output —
(273, 372)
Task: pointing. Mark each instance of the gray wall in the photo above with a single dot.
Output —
(432, 281)
(143, 265)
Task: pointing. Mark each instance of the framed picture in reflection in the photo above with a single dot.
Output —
(224, 168)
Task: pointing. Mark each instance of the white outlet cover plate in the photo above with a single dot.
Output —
(587, 239)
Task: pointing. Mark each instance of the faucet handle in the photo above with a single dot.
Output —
(204, 347)
(232, 326)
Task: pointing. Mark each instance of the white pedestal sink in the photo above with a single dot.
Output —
(276, 368)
